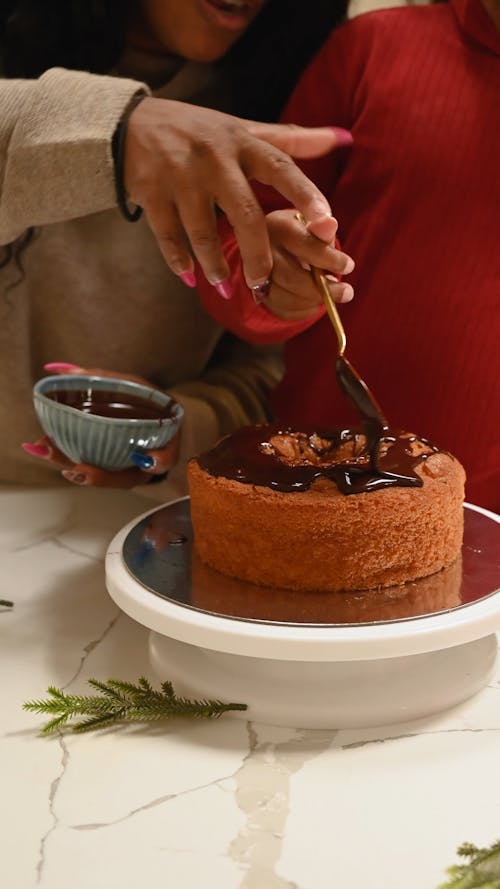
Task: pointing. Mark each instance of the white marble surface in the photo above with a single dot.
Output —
(224, 804)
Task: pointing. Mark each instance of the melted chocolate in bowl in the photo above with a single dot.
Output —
(106, 403)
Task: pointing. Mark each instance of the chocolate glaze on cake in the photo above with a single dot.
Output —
(291, 461)
(356, 461)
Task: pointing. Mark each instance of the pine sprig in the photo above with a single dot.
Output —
(119, 702)
(481, 869)
(4, 603)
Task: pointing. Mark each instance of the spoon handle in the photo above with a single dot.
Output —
(331, 308)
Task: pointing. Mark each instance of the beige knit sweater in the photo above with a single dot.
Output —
(94, 289)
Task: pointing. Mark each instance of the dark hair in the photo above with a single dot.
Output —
(84, 35)
(89, 35)
(268, 60)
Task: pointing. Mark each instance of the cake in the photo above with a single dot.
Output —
(304, 510)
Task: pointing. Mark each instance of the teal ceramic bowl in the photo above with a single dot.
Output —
(104, 441)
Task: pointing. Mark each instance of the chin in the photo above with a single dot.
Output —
(205, 53)
(206, 58)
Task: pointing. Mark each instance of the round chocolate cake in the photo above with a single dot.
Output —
(326, 511)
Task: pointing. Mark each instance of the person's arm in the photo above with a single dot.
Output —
(232, 392)
(179, 162)
(182, 162)
(292, 301)
(244, 314)
(236, 383)
(55, 147)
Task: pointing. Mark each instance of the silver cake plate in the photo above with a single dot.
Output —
(312, 659)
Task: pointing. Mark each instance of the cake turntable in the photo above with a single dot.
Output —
(311, 660)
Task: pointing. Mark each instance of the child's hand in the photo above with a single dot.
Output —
(293, 294)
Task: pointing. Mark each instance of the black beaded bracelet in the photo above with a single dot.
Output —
(118, 150)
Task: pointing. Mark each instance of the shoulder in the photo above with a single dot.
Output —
(390, 24)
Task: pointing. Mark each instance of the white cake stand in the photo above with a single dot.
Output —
(311, 676)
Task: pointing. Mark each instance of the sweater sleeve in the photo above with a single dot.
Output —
(236, 383)
(55, 147)
(241, 314)
(232, 392)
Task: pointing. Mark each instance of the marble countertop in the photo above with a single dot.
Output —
(222, 804)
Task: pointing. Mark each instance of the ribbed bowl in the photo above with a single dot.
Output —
(106, 442)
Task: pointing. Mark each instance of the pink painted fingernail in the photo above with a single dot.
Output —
(344, 137)
(61, 367)
(224, 288)
(36, 450)
(189, 278)
(78, 478)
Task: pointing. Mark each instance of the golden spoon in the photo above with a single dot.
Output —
(348, 379)
(331, 308)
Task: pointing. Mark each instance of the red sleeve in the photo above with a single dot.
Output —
(241, 314)
(322, 98)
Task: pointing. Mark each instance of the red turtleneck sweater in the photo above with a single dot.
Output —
(418, 199)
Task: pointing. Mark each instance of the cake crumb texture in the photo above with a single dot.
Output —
(321, 539)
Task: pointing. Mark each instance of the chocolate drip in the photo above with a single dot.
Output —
(357, 461)
(357, 392)
(254, 456)
(397, 465)
(105, 403)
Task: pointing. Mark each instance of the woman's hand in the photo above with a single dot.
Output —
(292, 293)
(151, 464)
(181, 162)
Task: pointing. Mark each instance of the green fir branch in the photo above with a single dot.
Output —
(119, 702)
(4, 603)
(481, 869)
